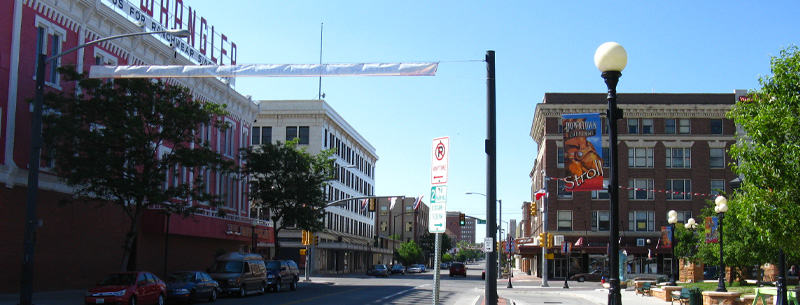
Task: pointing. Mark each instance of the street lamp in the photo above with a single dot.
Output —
(611, 58)
(673, 219)
(499, 233)
(721, 206)
(26, 290)
(254, 224)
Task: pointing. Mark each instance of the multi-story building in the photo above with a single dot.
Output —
(347, 243)
(672, 156)
(93, 236)
(399, 223)
(460, 233)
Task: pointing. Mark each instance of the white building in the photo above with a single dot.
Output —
(346, 244)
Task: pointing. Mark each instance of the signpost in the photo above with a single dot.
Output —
(437, 216)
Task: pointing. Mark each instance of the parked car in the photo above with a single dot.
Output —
(422, 266)
(191, 286)
(458, 269)
(593, 276)
(282, 272)
(398, 269)
(378, 270)
(414, 269)
(240, 273)
(139, 287)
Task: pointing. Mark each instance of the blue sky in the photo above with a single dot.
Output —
(541, 46)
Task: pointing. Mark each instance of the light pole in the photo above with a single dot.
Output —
(611, 58)
(673, 219)
(499, 233)
(721, 206)
(254, 224)
(26, 287)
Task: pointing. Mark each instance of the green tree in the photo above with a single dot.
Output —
(446, 258)
(427, 242)
(409, 253)
(768, 153)
(133, 143)
(288, 182)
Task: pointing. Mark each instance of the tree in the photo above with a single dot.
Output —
(768, 153)
(288, 182)
(133, 143)
(427, 242)
(409, 253)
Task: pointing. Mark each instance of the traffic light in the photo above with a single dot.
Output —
(316, 240)
(542, 240)
(533, 208)
(371, 205)
(550, 243)
(306, 238)
(462, 219)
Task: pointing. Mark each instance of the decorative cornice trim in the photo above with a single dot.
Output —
(641, 143)
(679, 144)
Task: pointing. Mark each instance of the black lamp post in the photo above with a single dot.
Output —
(254, 224)
(26, 287)
(611, 58)
(721, 207)
(673, 219)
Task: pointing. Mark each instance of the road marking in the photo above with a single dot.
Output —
(325, 295)
(412, 288)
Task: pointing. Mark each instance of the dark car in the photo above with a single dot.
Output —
(593, 276)
(458, 269)
(191, 286)
(137, 287)
(378, 270)
(282, 272)
(399, 269)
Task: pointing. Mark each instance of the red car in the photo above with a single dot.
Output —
(458, 269)
(136, 287)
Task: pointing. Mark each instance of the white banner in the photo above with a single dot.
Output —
(268, 70)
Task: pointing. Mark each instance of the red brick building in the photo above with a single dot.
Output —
(672, 156)
(77, 244)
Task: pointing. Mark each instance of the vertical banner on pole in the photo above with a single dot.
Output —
(581, 156)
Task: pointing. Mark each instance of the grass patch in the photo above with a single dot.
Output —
(735, 287)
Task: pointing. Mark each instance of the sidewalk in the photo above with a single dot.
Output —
(590, 291)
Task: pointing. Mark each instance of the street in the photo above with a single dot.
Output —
(414, 288)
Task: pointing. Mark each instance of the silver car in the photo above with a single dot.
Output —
(414, 269)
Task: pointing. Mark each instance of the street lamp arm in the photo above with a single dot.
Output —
(177, 33)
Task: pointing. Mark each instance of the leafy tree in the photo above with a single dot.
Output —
(427, 242)
(409, 253)
(289, 182)
(133, 143)
(768, 153)
(446, 258)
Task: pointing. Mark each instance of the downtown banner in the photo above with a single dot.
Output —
(582, 137)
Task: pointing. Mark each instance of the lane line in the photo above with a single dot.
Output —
(324, 295)
(403, 291)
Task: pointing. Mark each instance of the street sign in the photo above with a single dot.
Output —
(437, 214)
(481, 221)
(439, 158)
(488, 245)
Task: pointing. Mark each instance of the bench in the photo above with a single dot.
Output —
(644, 289)
(764, 293)
(681, 296)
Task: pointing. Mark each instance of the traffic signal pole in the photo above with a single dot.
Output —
(490, 296)
(544, 230)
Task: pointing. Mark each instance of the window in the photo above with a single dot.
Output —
(606, 157)
(601, 194)
(641, 221)
(716, 158)
(565, 220)
(683, 216)
(562, 193)
(601, 221)
(640, 157)
(679, 157)
(262, 135)
(678, 189)
(560, 157)
(55, 49)
(409, 226)
(226, 140)
(633, 126)
(669, 126)
(716, 126)
(717, 187)
(41, 35)
(684, 126)
(640, 189)
(301, 132)
(647, 126)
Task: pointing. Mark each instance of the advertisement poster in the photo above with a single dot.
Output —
(583, 153)
(666, 236)
(712, 224)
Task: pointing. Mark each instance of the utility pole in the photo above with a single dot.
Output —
(544, 230)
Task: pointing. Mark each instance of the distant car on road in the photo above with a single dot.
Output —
(458, 269)
(593, 276)
(414, 269)
(378, 270)
(191, 286)
(281, 273)
(398, 269)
